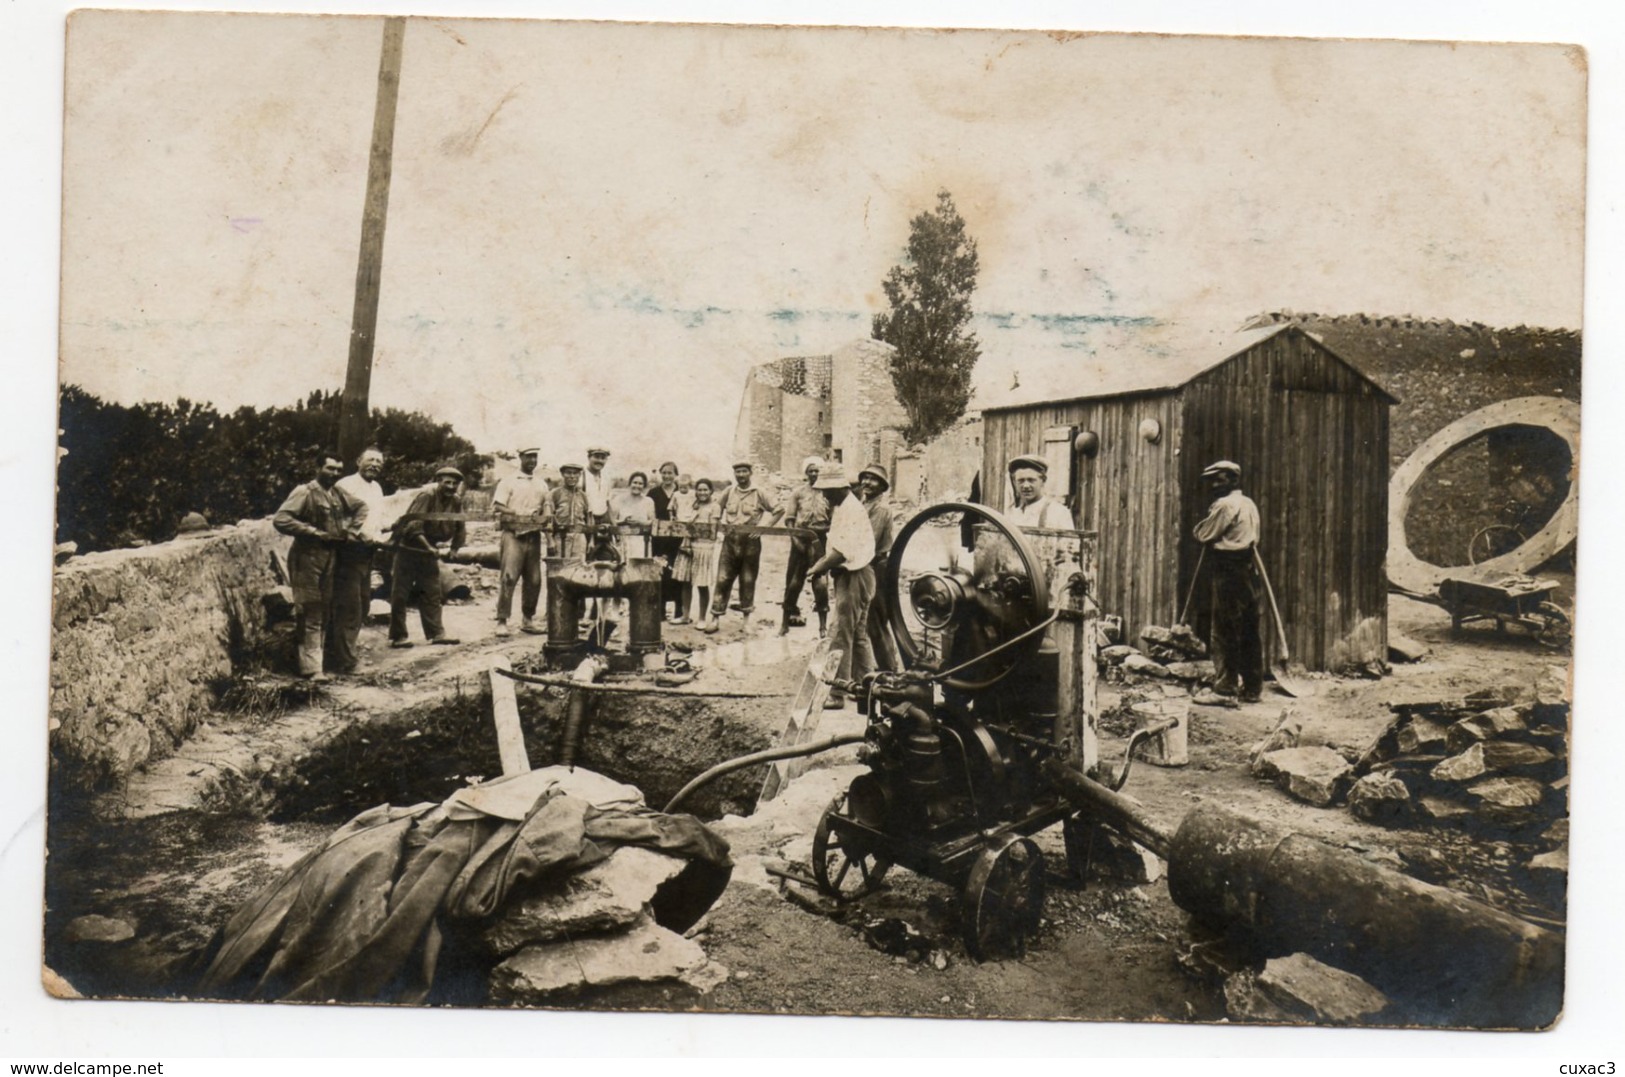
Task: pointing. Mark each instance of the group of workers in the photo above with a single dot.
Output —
(840, 528)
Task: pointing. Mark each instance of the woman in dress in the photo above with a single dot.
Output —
(634, 511)
(667, 502)
(697, 558)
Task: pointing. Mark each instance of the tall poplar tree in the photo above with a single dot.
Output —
(930, 297)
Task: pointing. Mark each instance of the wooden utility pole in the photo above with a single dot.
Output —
(354, 421)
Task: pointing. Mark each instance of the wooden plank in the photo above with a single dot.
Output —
(802, 722)
(505, 713)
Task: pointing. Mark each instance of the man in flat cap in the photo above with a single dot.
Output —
(882, 652)
(1032, 507)
(1230, 531)
(597, 486)
(742, 505)
(849, 553)
(417, 563)
(568, 507)
(808, 509)
(522, 506)
(321, 518)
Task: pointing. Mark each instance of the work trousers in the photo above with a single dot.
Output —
(352, 597)
(882, 651)
(521, 560)
(1236, 645)
(805, 550)
(416, 582)
(737, 560)
(854, 590)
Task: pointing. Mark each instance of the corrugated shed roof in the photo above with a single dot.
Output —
(1124, 360)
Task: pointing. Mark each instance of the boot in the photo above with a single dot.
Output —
(823, 624)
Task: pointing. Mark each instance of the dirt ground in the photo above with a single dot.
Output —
(1108, 951)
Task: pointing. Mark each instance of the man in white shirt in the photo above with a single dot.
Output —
(597, 486)
(1032, 508)
(522, 507)
(849, 550)
(352, 576)
(1230, 531)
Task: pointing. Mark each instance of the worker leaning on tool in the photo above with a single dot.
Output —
(417, 563)
(320, 518)
(849, 553)
(1230, 531)
(1032, 507)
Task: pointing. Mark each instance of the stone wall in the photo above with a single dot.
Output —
(863, 401)
(140, 639)
(784, 413)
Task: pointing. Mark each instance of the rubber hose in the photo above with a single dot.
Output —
(766, 756)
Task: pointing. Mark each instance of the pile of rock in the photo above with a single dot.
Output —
(595, 928)
(1498, 757)
(1169, 654)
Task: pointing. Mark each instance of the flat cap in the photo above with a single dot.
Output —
(597, 452)
(530, 452)
(449, 470)
(745, 463)
(568, 467)
(1037, 463)
(1222, 467)
(813, 461)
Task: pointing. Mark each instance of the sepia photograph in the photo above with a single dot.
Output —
(816, 520)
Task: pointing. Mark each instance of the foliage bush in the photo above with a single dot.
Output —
(130, 473)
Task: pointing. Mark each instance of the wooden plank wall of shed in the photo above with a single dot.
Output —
(1128, 493)
(1312, 439)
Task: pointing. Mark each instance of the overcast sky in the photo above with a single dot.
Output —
(594, 229)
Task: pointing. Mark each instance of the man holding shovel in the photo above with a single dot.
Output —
(1230, 531)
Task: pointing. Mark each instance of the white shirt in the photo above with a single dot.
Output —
(1045, 513)
(522, 495)
(371, 495)
(851, 533)
(1231, 523)
(597, 488)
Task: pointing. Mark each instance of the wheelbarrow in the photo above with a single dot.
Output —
(1515, 600)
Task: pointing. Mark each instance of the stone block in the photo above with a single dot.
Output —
(1314, 775)
(1443, 809)
(1418, 734)
(1485, 725)
(1145, 667)
(1380, 798)
(1551, 864)
(1405, 649)
(1116, 653)
(606, 896)
(1244, 1001)
(1311, 990)
(1492, 757)
(1201, 671)
(542, 973)
(1509, 792)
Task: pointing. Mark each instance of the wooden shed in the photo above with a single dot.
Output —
(1308, 429)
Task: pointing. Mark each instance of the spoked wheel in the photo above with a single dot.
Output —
(1556, 632)
(843, 867)
(1493, 541)
(1004, 899)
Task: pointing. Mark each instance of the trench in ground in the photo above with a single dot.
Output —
(177, 877)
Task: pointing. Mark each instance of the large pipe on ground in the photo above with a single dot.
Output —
(1285, 893)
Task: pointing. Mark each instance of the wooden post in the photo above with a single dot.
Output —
(354, 420)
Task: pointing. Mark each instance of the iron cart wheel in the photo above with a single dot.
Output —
(1556, 632)
(1004, 899)
(993, 604)
(843, 868)
(1494, 541)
